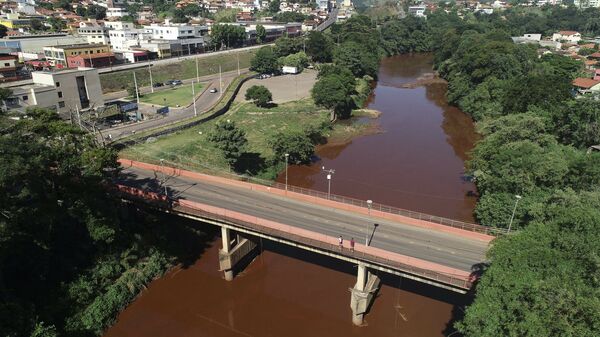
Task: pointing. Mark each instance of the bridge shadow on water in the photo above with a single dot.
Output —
(458, 301)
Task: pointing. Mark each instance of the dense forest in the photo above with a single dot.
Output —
(71, 255)
(545, 279)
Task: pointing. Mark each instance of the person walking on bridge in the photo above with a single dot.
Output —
(341, 241)
(352, 245)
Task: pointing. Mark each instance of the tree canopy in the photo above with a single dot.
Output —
(260, 95)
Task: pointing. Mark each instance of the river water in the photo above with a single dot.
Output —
(416, 162)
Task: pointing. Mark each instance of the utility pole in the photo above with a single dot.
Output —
(369, 205)
(194, 99)
(220, 82)
(287, 155)
(197, 71)
(518, 197)
(150, 71)
(137, 94)
(330, 173)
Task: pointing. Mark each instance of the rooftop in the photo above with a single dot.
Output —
(585, 83)
(568, 32)
(65, 70)
(77, 46)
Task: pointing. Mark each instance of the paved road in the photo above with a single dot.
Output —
(203, 103)
(439, 247)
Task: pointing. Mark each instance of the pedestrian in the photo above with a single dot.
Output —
(352, 244)
(341, 241)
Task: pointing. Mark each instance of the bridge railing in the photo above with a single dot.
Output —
(449, 279)
(494, 231)
(323, 243)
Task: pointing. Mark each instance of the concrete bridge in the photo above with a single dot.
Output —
(433, 250)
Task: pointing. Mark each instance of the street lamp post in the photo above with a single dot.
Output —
(369, 205)
(518, 197)
(162, 164)
(287, 155)
(330, 173)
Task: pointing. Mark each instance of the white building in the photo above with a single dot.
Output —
(66, 90)
(119, 25)
(418, 11)
(567, 35)
(124, 39)
(116, 12)
(94, 32)
(586, 3)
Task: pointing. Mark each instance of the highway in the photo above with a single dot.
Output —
(443, 248)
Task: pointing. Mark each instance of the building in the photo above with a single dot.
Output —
(65, 90)
(418, 11)
(91, 60)
(35, 44)
(116, 12)
(119, 25)
(15, 21)
(94, 32)
(586, 85)
(8, 68)
(586, 3)
(124, 39)
(58, 55)
(567, 35)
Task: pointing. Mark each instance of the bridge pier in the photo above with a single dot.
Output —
(363, 293)
(233, 251)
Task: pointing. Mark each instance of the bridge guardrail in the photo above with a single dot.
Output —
(445, 278)
(493, 231)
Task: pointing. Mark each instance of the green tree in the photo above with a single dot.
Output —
(357, 58)
(319, 47)
(230, 139)
(298, 145)
(274, 6)
(332, 92)
(261, 33)
(228, 36)
(578, 123)
(260, 95)
(298, 60)
(226, 15)
(264, 61)
(286, 17)
(285, 46)
(543, 281)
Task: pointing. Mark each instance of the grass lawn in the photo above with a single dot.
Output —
(191, 149)
(181, 94)
(182, 70)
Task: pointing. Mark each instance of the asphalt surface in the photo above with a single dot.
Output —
(204, 102)
(430, 245)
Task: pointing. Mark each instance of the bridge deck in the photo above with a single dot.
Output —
(444, 248)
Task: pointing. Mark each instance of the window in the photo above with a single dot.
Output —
(25, 97)
(58, 84)
(60, 94)
(61, 104)
(7, 64)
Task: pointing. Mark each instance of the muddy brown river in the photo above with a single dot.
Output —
(416, 162)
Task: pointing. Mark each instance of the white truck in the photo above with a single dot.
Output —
(289, 70)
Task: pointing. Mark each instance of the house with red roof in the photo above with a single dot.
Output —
(586, 85)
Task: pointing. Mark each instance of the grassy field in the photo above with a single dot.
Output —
(180, 70)
(191, 149)
(180, 95)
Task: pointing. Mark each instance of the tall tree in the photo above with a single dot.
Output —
(230, 139)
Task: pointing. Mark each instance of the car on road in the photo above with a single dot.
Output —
(158, 84)
(213, 90)
(174, 82)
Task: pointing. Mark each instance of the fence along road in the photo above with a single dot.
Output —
(457, 249)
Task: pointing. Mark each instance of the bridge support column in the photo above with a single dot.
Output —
(233, 251)
(363, 293)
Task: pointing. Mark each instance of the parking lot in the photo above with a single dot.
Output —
(285, 88)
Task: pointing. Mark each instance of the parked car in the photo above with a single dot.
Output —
(213, 90)
(158, 84)
(174, 82)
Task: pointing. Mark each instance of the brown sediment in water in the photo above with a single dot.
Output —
(416, 163)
